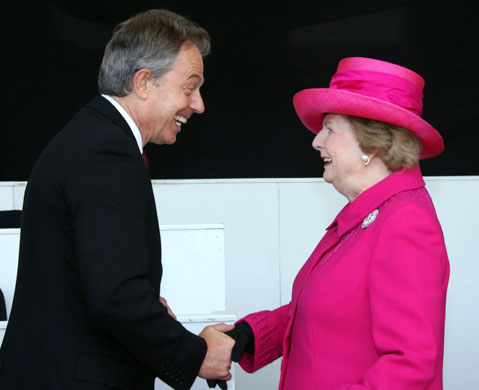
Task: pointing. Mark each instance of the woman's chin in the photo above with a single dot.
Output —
(327, 178)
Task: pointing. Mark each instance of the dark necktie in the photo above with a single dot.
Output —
(145, 159)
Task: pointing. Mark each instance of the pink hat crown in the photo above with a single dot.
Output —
(373, 89)
(380, 80)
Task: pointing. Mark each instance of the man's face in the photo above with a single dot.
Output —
(174, 98)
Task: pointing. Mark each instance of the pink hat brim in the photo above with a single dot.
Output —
(311, 105)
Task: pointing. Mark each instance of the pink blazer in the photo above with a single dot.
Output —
(368, 307)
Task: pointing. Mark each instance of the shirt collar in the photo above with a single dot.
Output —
(355, 212)
(134, 128)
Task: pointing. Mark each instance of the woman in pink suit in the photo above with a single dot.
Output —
(368, 307)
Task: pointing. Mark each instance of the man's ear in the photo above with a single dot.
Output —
(142, 83)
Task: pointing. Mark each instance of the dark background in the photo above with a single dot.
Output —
(262, 53)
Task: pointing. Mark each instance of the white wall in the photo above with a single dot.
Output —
(272, 225)
(456, 204)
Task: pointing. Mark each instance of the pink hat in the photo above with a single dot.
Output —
(371, 89)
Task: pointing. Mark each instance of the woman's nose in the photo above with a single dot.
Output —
(317, 141)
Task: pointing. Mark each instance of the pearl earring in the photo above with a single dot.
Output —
(366, 159)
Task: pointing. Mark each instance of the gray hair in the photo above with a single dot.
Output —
(148, 40)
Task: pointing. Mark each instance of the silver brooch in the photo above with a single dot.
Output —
(369, 219)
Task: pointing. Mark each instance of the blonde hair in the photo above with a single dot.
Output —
(397, 147)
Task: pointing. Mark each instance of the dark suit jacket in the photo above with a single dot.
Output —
(86, 312)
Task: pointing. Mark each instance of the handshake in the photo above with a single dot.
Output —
(226, 343)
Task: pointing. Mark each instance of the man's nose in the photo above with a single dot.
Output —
(197, 103)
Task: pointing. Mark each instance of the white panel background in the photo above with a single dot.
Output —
(272, 225)
(456, 205)
(193, 268)
(6, 196)
(9, 244)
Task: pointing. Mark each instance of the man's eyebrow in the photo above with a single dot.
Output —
(196, 76)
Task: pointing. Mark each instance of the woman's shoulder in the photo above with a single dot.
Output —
(414, 199)
(409, 209)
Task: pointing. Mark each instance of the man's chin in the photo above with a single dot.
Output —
(171, 141)
(171, 137)
(168, 141)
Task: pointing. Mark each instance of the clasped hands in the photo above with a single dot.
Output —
(225, 343)
(235, 341)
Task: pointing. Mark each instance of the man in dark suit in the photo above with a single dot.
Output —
(87, 312)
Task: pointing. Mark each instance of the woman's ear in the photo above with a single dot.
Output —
(371, 152)
(374, 153)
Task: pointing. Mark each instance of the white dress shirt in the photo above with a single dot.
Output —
(134, 128)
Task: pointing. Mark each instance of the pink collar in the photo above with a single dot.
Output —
(354, 213)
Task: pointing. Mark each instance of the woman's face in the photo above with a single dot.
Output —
(341, 153)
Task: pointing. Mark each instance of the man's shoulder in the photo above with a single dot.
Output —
(97, 111)
(94, 122)
(91, 130)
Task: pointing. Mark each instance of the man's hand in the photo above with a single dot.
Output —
(217, 362)
(170, 312)
(244, 342)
